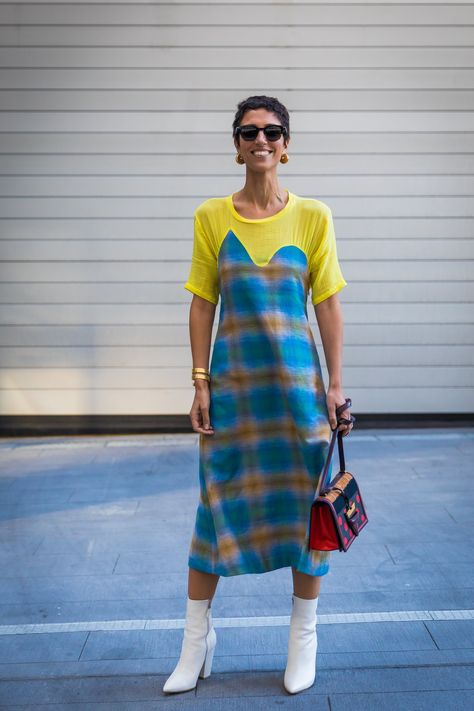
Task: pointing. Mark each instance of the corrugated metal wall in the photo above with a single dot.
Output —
(116, 123)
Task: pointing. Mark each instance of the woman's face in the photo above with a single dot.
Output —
(261, 154)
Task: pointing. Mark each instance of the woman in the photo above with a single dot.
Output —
(262, 412)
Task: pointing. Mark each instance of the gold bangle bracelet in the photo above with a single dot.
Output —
(201, 376)
(200, 370)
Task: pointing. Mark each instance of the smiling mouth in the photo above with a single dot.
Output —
(261, 153)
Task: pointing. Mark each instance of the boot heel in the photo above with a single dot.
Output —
(207, 665)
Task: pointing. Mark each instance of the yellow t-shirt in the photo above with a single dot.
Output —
(303, 222)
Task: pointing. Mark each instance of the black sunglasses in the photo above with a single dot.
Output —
(272, 131)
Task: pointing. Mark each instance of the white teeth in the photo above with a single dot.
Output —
(261, 153)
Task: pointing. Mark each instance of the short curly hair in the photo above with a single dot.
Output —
(262, 102)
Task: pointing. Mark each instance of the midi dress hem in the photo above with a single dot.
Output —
(227, 572)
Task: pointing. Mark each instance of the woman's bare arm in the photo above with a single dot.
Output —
(330, 323)
(201, 320)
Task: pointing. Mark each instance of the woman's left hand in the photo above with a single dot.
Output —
(334, 398)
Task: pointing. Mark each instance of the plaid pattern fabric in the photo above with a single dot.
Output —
(260, 469)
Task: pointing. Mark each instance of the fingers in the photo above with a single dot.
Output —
(346, 423)
(202, 430)
(346, 428)
(206, 422)
(332, 417)
(200, 420)
(333, 397)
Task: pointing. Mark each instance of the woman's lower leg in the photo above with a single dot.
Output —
(201, 586)
(306, 586)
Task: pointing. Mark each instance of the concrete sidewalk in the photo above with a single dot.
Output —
(94, 536)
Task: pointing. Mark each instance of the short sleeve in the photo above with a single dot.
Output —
(203, 276)
(324, 271)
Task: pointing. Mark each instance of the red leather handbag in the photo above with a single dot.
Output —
(337, 513)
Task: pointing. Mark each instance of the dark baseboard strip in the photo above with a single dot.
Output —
(53, 425)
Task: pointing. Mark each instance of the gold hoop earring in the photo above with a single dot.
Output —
(284, 158)
(239, 159)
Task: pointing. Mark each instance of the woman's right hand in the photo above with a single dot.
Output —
(199, 413)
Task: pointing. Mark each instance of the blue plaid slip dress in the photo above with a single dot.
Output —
(259, 471)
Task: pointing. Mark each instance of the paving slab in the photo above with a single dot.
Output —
(37, 647)
(459, 700)
(452, 634)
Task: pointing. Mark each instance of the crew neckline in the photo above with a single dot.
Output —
(258, 220)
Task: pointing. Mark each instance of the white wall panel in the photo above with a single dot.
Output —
(115, 123)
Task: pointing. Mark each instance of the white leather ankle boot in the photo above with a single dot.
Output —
(197, 649)
(300, 669)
